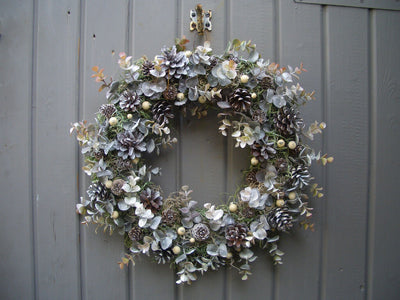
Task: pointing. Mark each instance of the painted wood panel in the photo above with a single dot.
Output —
(55, 173)
(384, 274)
(346, 104)
(17, 250)
(47, 52)
(103, 34)
(300, 42)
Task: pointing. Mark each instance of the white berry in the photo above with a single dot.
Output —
(244, 79)
(292, 195)
(233, 207)
(280, 202)
(254, 161)
(176, 250)
(180, 96)
(292, 145)
(108, 184)
(113, 121)
(129, 116)
(280, 143)
(181, 230)
(146, 105)
(253, 95)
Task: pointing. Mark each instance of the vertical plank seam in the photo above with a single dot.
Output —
(32, 143)
(81, 232)
(277, 55)
(226, 294)
(130, 274)
(372, 83)
(277, 31)
(178, 290)
(325, 116)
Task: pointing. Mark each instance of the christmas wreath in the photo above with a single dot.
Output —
(258, 104)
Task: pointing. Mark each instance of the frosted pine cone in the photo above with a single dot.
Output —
(235, 234)
(129, 101)
(200, 232)
(135, 234)
(287, 122)
(107, 110)
(151, 199)
(240, 100)
(280, 219)
(162, 112)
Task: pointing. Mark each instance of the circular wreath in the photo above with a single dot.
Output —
(258, 105)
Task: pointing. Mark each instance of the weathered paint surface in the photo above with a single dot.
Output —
(47, 50)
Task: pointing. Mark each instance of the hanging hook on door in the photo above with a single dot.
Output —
(200, 19)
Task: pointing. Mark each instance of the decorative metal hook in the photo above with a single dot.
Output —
(200, 19)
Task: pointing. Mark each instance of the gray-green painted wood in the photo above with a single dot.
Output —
(47, 50)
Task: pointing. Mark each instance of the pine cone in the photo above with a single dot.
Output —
(175, 63)
(248, 212)
(263, 152)
(163, 256)
(162, 112)
(170, 93)
(151, 199)
(107, 110)
(97, 192)
(213, 61)
(267, 83)
(259, 116)
(235, 234)
(281, 165)
(300, 177)
(251, 178)
(234, 58)
(130, 144)
(287, 122)
(170, 216)
(135, 234)
(121, 164)
(116, 187)
(280, 219)
(98, 154)
(200, 232)
(129, 101)
(240, 100)
(147, 67)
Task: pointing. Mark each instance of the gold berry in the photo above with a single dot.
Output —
(192, 240)
(129, 116)
(280, 143)
(330, 159)
(229, 255)
(253, 95)
(115, 214)
(202, 99)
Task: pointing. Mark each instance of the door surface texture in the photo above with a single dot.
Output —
(351, 53)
